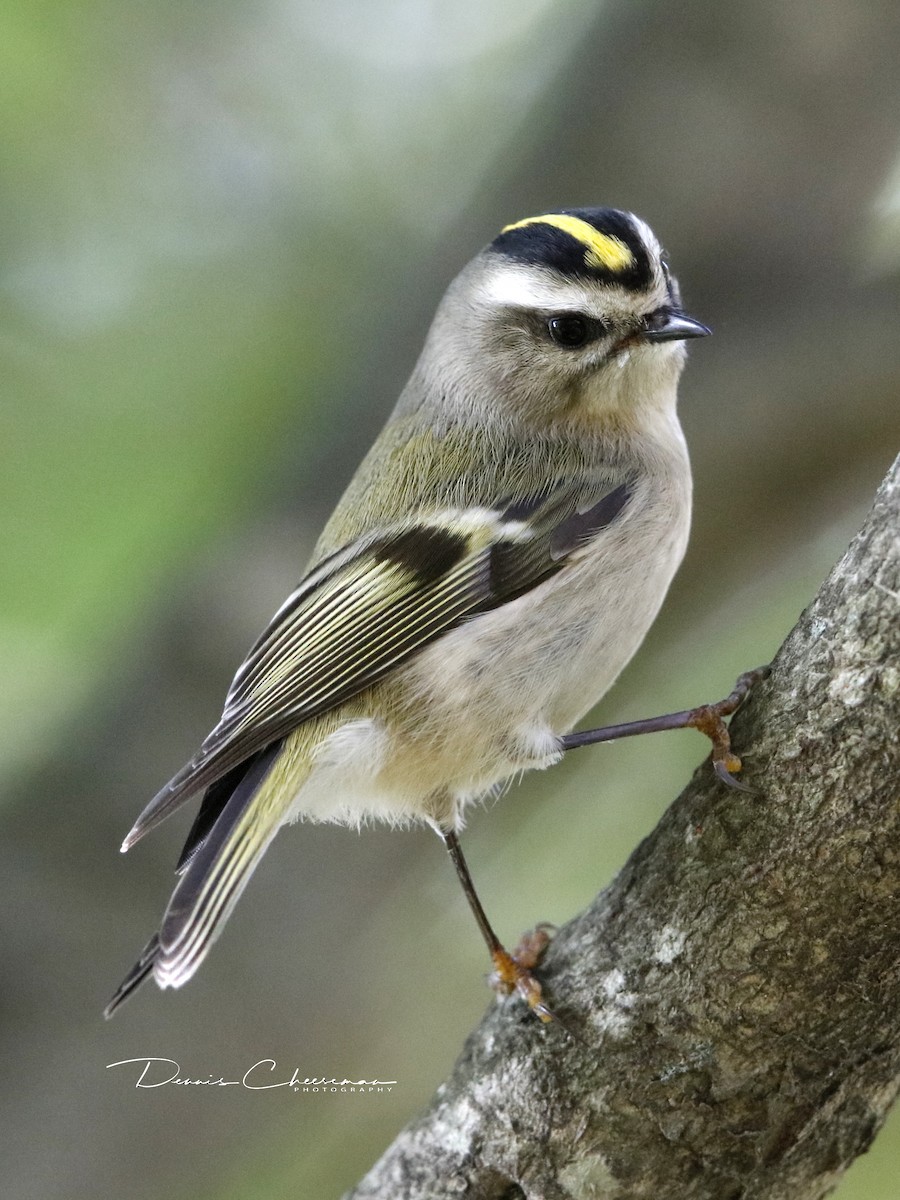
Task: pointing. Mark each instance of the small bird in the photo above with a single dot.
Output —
(495, 562)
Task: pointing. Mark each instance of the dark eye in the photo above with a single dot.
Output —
(572, 330)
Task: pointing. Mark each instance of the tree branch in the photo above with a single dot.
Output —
(735, 988)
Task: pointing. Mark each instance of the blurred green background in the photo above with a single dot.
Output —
(225, 228)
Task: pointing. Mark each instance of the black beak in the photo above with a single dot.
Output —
(669, 325)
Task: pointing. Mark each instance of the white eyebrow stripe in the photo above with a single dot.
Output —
(525, 289)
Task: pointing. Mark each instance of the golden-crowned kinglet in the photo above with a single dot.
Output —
(495, 562)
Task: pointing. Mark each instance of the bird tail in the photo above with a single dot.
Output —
(135, 976)
(213, 877)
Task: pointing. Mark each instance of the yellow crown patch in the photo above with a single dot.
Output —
(601, 249)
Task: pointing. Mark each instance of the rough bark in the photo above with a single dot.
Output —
(734, 990)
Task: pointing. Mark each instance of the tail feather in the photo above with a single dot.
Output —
(135, 976)
(213, 805)
(214, 872)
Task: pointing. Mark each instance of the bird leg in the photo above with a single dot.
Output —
(512, 972)
(708, 719)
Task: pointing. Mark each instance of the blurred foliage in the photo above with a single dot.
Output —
(225, 228)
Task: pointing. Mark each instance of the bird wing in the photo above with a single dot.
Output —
(367, 608)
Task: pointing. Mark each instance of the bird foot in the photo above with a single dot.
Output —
(709, 719)
(513, 972)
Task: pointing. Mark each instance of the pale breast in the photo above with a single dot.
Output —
(486, 696)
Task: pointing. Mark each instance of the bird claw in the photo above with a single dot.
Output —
(709, 719)
(723, 769)
(513, 972)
